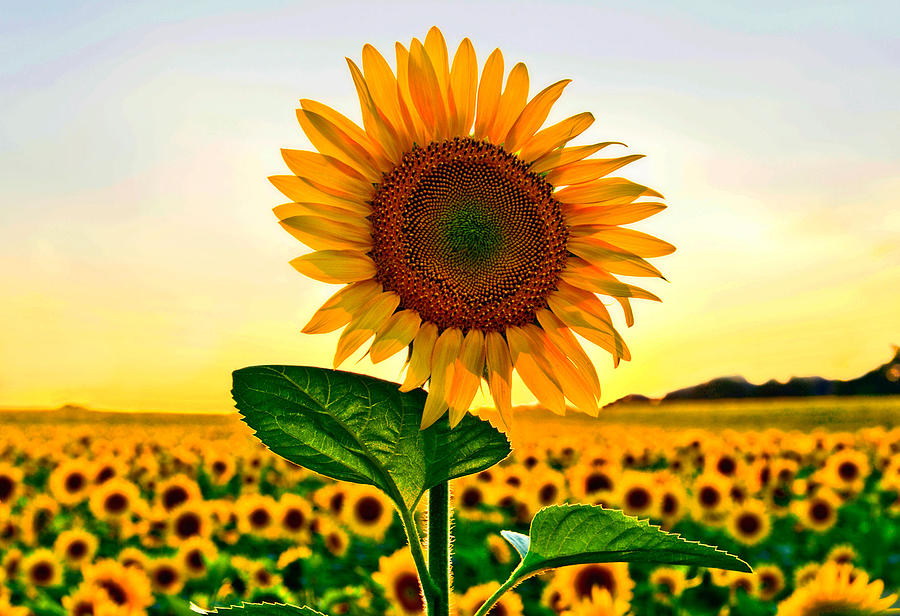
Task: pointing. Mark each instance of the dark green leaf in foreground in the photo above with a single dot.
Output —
(357, 428)
(260, 609)
(577, 534)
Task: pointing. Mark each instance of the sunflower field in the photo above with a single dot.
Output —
(127, 518)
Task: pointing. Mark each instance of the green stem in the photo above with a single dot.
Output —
(439, 545)
(429, 588)
(484, 609)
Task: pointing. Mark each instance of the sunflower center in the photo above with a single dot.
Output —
(467, 236)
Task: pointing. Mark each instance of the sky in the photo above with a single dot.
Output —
(140, 262)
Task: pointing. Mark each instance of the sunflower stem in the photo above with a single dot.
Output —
(439, 546)
(487, 605)
(429, 588)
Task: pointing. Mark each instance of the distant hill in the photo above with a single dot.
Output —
(882, 381)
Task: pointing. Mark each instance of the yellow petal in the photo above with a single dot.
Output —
(396, 334)
(377, 127)
(287, 210)
(586, 315)
(329, 139)
(419, 368)
(350, 129)
(511, 104)
(446, 349)
(582, 274)
(436, 49)
(420, 133)
(612, 259)
(489, 93)
(533, 369)
(560, 335)
(300, 190)
(545, 142)
(340, 307)
(635, 242)
(621, 214)
(425, 91)
(338, 266)
(324, 234)
(467, 370)
(574, 385)
(588, 170)
(533, 115)
(619, 190)
(364, 325)
(328, 172)
(626, 308)
(499, 373)
(383, 88)
(464, 87)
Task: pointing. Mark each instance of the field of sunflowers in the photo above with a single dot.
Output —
(126, 517)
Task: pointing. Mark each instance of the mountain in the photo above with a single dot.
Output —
(882, 381)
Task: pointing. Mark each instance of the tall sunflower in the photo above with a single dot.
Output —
(465, 232)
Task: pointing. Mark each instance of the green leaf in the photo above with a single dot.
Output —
(260, 609)
(564, 535)
(357, 428)
(517, 540)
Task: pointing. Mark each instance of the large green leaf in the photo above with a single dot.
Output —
(564, 535)
(358, 428)
(260, 609)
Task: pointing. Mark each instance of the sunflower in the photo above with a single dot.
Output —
(127, 587)
(819, 512)
(842, 554)
(711, 498)
(294, 516)
(134, 557)
(10, 483)
(195, 555)
(189, 520)
(167, 575)
(41, 568)
(256, 515)
(749, 523)
(89, 600)
(771, 581)
(75, 547)
(833, 592)
(670, 582)
(463, 231)
(846, 470)
(636, 494)
(368, 512)
(335, 538)
(577, 583)
(397, 576)
(509, 604)
(176, 491)
(114, 499)
(37, 517)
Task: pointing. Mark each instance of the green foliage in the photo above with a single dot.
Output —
(261, 609)
(357, 428)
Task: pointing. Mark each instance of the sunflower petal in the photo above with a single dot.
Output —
(302, 191)
(533, 369)
(394, 335)
(328, 172)
(363, 326)
(612, 259)
(340, 307)
(425, 90)
(555, 136)
(383, 88)
(619, 190)
(499, 372)
(588, 170)
(573, 383)
(511, 104)
(324, 234)
(489, 93)
(337, 266)
(626, 308)
(635, 242)
(467, 370)
(580, 273)
(329, 139)
(443, 359)
(376, 125)
(419, 368)
(436, 49)
(533, 115)
(286, 210)
(464, 87)
(419, 133)
(622, 214)
(565, 156)
(586, 315)
(565, 340)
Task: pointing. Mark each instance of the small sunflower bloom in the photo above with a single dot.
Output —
(464, 231)
(838, 589)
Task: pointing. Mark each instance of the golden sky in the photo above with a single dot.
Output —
(140, 262)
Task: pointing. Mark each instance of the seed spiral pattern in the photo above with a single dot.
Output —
(467, 236)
